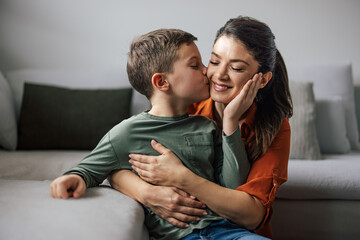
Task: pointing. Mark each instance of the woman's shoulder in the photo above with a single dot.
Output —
(285, 124)
(285, 128)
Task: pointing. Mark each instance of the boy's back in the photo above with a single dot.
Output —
(194, 138)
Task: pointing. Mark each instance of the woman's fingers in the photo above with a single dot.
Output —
(177, 223)
(183, 210)
(145, 176)
(139, 164)
(150, 159)
(159, 147)
(190, 200)
(141, 158)
(252, 86)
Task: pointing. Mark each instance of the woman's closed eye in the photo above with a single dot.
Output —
(214, 62)
(238, 69)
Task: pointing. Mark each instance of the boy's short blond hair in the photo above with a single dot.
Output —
(154, 52)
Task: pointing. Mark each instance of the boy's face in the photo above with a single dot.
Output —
(188, 80)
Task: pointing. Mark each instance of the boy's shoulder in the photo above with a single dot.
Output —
(126, 123)
(202, 119)
(124, 127)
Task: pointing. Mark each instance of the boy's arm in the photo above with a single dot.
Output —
(231, 163)
(96, 166)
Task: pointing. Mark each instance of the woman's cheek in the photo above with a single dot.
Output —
(210, 72)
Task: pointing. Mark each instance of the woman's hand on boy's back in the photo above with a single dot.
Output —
(165, 169)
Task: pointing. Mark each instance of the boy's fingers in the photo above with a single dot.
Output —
(63, 191)
(52, 190)
(55, 191)
(79, 191)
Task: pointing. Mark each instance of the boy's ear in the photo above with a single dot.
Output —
(265, 79)
(160, 82)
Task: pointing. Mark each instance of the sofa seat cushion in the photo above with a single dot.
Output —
(37, 165)
(334, 177)
(102, 213)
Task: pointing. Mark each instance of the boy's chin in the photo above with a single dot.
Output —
(203, 98)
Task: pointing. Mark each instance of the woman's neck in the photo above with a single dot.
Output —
(219, 114)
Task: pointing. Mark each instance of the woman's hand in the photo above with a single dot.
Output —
(175, 206)
(240, 104)
(165, 169)
(172, 204)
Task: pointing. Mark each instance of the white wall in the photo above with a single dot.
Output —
(97, 33)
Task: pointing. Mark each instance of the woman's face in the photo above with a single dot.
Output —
(231, 66)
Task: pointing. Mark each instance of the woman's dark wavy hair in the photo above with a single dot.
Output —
(274, 100)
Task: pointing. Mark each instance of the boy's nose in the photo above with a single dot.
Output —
(204, 70)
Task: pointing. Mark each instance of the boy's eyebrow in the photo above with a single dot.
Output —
(193, 57)
(232, 60)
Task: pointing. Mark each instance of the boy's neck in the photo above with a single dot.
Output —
(168, 108)
(161, 112)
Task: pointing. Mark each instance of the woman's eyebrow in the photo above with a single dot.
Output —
(232, 60)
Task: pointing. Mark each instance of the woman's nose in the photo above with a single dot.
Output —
(222, 73)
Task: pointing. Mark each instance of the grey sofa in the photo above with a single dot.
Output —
(319, 201)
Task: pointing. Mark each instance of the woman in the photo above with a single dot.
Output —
(244, 50)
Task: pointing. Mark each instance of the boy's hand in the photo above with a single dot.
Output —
(66, 186)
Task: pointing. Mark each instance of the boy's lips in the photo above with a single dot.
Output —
(220, 87)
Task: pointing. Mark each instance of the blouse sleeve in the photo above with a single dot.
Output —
(270, 170)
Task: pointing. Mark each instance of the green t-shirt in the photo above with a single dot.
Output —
(194, 139)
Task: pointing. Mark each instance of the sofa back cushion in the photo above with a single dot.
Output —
(8, 126)
(330, 82)
(304, 141)
(61, 118)
(78, 79)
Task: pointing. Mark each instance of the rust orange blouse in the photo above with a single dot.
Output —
(269, 171)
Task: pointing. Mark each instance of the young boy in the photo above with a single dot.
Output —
(165, 65)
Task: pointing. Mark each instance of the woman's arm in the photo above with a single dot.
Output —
(170, 203)
(247, 206)
(240, 207)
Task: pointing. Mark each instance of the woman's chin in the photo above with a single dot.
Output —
(220, 98)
